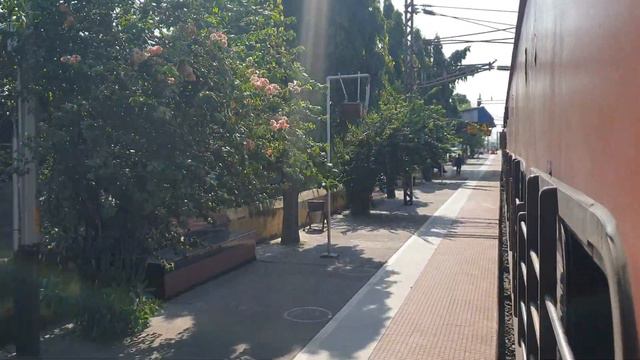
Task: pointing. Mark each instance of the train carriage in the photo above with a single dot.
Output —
(571, 202)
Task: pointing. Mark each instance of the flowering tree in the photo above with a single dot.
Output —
(153, 112)
(279, 118)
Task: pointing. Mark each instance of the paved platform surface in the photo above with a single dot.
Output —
(451, 312)
(255, 311)
(396, 267)
(441, 288)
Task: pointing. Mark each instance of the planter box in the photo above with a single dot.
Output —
(201, 265)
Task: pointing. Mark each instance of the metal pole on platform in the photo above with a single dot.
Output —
(358, 77)
(329, 254)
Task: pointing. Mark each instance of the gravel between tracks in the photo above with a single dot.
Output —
(506, 339)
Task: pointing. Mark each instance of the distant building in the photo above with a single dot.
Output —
(478, 115)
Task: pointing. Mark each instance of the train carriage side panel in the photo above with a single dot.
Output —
(574, 105)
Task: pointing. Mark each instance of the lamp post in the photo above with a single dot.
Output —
(330, 254)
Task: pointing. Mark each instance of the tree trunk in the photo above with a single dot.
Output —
(390, 176)
(290, 225)
(360, 203)
(391, 187)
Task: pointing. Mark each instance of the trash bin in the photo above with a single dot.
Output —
(316, 206)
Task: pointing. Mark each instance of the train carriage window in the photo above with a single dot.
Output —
(585, 298)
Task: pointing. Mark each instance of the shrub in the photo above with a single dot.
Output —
(114, 313)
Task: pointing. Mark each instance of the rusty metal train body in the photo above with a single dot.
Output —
(571, 201)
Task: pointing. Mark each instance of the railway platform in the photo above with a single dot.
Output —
(443, 287)
(411, 282)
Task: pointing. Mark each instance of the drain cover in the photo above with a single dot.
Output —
(309, 314)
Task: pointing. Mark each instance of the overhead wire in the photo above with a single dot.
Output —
(467, 8)
(472, 40)
(476, 33)
(469, 20)
(482, 20)
(488, 41)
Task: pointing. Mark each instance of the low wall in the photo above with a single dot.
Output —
(267, 221)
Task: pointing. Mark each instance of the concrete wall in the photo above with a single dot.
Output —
(267, 221)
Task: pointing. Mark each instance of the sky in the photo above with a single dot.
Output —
(492, 84)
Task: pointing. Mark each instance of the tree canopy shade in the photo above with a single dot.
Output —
(340, 37)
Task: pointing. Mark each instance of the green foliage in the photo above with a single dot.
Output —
(398, 138)
(154, 112)
(58, 297)
(398, 135)
(440, 64)
(471, 142)
(413, 134)
(107, 314)
(148, 115)
(461, 101)
(357, 163)
(395, 40)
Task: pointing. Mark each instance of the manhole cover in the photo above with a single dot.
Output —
(308, 314)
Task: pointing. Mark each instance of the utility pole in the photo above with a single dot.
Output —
(410, 69)
(410, 82)
(26, 218)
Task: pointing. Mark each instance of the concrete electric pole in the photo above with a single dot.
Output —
(26, 219)
(410, 82)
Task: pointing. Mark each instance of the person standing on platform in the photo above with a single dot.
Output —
(458, 164)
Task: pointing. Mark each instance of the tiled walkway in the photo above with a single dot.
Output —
(451, 312)
(442, 285)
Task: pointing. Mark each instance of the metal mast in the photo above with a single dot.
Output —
(410, 83)
(410, 70)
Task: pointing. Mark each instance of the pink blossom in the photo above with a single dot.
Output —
(263, 83)
(73, 59)
(279, 122)
(294, 87)
(259, 82)
(220, 38)
(155, 50)
(283, 124)
(272, 89)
